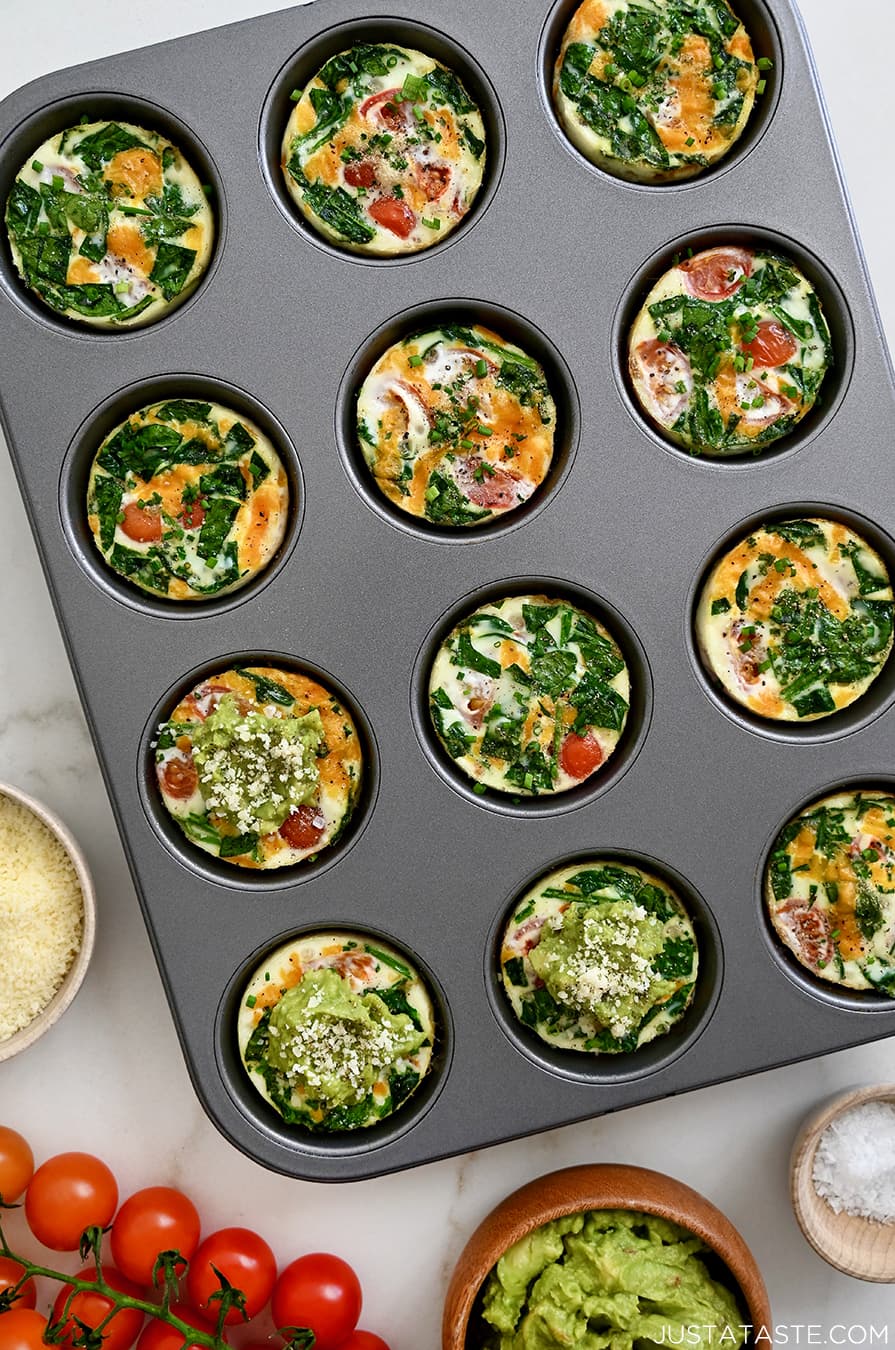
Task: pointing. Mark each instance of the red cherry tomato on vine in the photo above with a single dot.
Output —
(363, 1340)
(321, 1292)
(157, 1219)
(16, 1164)
(158, 1335)
(244, 1259)
(10, 1274)
(90, 1308)
(69, 1193)
(22, 1329)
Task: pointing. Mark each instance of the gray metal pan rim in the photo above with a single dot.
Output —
(836, 311)
(609, 1070)
(55, 117)
(766, 42)
(206, 865)
(517, 329)
(76, 469)
(858, 715)
(863, 1002)
(636, 725)
(301, 67)
(263, 1117)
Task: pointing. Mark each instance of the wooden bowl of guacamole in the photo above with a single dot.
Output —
(604, 1248)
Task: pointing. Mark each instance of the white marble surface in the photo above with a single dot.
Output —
(110, 1077)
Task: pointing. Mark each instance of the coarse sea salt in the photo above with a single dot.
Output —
(854, 1165)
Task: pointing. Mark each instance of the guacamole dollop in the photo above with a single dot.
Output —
(607, 1280)
(334, 1042)
(255, 770)
(598, 960)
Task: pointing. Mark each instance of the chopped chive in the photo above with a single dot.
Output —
(484, 431)
(251, 1001)
(691, 140)
(765, 63)
(467, 445)
(37, 166)
(718, 90)
(414, 360)
(431, 493)
(761, 86)
(481, 369)
(432, 224)
(480, 789)
(388, 960)
(295, 95)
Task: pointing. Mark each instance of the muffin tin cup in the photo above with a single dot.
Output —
(555, 255)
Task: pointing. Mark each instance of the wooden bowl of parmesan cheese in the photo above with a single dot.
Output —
(47, 919)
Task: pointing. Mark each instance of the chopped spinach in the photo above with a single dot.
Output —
(183, 410)
(334, 206)
(236, 845)
(396, 1000)
(139, 450)
(107, 494)
(267, 690)
(514, 970)
(469, 657)
(597, 704)
(446, 504)
(675, 959)
(171, 268)
(219, 516)
(103, 145)
(225, 481)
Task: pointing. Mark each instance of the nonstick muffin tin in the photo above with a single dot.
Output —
(555, 256)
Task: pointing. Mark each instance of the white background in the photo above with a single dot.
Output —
(110, 1077)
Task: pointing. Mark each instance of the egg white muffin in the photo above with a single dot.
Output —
(109, 224)
(456, 425)
(796, 620)
(336, 1031)
(599, 957)
(655, 91)
(187, 499)
(830, 889)
(729, 351)
(529, 695)
(260, 767)
(384, 151)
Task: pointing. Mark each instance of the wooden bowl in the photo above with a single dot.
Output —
(863, 1248)
(596, 1186)
(73, 978)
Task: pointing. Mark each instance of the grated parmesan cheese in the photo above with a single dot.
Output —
(854, 1166)
(41, 915)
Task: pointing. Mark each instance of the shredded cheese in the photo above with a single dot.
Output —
(41, 915)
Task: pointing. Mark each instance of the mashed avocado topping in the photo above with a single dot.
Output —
(334, 1042)
(598, 960)
(254, 770)
(607, 1280)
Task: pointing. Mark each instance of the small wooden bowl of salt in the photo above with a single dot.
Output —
(843, 1183)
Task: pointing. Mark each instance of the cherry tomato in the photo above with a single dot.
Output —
(321, 1292)
(143, 524)
(192, 514)
(580, 755)
(361, 175)
(363, 1340)
(393, 215)
(16, 1164)
(158, 1335)
(376, 100)
(10, 1274)
(179, 777)
(244, 1259)
(299, 829)
(773, 345)
(717, 273)
(434, 179)
(90, 1308)
(157, 1219)
(69, 1193)
(22, 1329)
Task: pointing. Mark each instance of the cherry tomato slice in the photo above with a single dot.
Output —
(192, 514)
(142, 524)
(717, 273)
(393, 215)
(156, 1219)
(360, 175)
(69, 1193)
(158, 1335)
(434, 179)
(773, 345)
(244, 1259)
(22, 1329)
(179, 777)
(10, 1274)
(375, 100)
(91, 1309)
(580, 755)
(299, 829)
(321, 1292)
(16, 1164)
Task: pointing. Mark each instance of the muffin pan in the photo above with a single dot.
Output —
(558, 256)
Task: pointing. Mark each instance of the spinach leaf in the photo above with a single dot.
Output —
(503, 740)
(524, 383)
(471, 659)
(94, 299)
(401, 1085)
(225, 481)
(107, 494)
(537, 617)
(447, 504)
(675, 959)
(780, 873)
(868, 582)
(600, 653)
(199, 830)
(102, 145)
(45, 260)
(334, 206)
(237, 441)
(148, 568)
(554, 672)
(804, 533)
(395, 999)
(363, 59)
(171, 268)
(183, 410)
(445, 88)
(868, 910)
(454, 738)
(22, 208)
(267, 690)
(235, 845)
(139, 450)
(258, 468)
(475, 146)
(597, 704)
(514, 970)
(532, 771)
(219, 516)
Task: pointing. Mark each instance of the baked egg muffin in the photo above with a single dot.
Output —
(657, 91)
(599, 957)
(795, 622)
(109, 225)
(384, 151)
(830, 889)
(729, 351)
(187, 499)
(529, 695)
(259, 766)
(336, 1031)
(456, 425)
